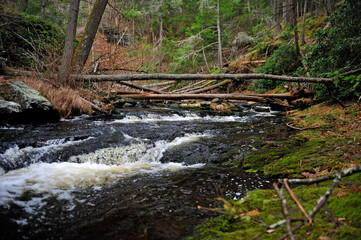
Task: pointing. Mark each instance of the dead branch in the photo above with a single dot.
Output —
(284, 210)
(160, 84)
(211, 87)
(95, 107)
(195, 96)
(189, 87)
(343, 173)
(301, 129)
(140, 87)
(300, 206)
(357, 71)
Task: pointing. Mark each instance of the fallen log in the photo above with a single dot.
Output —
(95, 107)
(211, 87)
(124, 92)
(288, 96)
(192, 90)
(189, 87)
(161, 76)
(139, 87)
(160, 84)
(194, 96)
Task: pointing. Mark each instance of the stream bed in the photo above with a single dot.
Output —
(139, 174)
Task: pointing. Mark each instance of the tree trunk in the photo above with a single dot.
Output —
(194, 96)
(249, 6)
(277, 17)
(304, 23)
(65, 67)
(160, 43)
(294, 26)
(220, 61)
(194, 77)
(139, 87)
(42, 9)
(24, 5)
(91, 28)
(211, 87)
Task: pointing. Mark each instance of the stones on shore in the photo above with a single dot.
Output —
(23, 104)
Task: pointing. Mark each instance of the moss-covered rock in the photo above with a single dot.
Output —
(33, 106)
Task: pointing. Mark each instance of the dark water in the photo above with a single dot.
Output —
(138, 175)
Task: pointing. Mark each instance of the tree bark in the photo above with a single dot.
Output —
(277, 17)
(24, 5)
(304, 23)
(211, 87)
(91, 28)
(194, 96)
(193, 77)
(160, 84)
(294, 26)
(65, 67)
(139, 87)
(42, 9)
(220, 58)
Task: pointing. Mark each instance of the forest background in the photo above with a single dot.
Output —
(313, 38)
(293, 37)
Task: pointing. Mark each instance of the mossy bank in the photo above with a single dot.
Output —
(327, 140)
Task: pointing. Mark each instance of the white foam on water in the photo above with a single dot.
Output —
(60, 180)
(15, 154)
(150, 118)
(11, 128)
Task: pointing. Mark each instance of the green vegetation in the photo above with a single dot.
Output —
(261, 208)
(28, 41)
(332, 146)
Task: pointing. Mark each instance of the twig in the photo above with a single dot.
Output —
(321, 201)
(343, 173)
(284, 210)
(285, 183)
(213, 210)
(301, 129)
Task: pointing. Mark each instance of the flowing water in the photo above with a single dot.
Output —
(138, 175)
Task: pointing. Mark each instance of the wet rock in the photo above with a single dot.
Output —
(216, 100)
(7, 107)
(187, 153)
(261, 109)
(34, 107)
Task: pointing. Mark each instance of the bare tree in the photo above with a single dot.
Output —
(277, 11)
(42, 9)
(24, 5)
(69, 42)
(304, 23)
(86, 42)
(220, 63)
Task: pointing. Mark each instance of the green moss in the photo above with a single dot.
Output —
(268, 208)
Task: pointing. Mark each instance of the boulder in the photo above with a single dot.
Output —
(8, 108)
(241, 40)
(34, 107)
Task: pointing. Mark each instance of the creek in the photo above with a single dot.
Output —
(139, 174)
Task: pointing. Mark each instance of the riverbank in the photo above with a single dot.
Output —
(326, 139)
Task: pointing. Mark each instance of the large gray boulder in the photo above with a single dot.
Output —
(242, 39)
(7, 108)
(34, 107)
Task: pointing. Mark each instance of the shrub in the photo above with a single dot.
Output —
(282, 61)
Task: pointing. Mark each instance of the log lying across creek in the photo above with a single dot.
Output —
(162, 76)
(195, 96)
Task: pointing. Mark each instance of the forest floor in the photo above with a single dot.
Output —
(327, 140)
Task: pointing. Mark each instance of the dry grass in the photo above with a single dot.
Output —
(68, 101)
